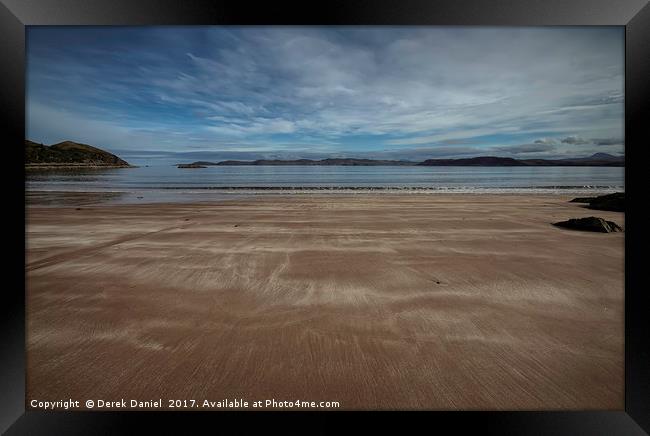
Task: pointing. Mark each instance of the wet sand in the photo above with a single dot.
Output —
(375, 301)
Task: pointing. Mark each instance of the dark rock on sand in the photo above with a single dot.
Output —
(590, 224)
(613, 202)
(582, 200)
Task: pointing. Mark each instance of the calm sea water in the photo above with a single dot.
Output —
(168, 183)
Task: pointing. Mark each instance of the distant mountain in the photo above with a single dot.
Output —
(69, 154)
(598, 160)
(604, 156)
(595, 160)
(202, 163)
(337, 161)
(482, 161)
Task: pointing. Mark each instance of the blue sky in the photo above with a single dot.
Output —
(154, 94)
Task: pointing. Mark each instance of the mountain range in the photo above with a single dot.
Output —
(598, 159)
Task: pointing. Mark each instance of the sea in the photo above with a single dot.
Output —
(167, 183)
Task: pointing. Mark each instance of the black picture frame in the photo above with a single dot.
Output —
(633, 14)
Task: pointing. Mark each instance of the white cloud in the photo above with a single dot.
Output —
(574, 140)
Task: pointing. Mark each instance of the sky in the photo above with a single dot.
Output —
(159, 94)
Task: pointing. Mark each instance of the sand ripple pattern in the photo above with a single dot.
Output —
(379, 302)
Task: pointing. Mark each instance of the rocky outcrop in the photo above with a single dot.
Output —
(590, 224)
(69, 154)
(613, 202)
(582, 200)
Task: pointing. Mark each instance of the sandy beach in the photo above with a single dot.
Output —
(375, 301)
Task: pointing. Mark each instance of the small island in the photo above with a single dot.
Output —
(191, 165)
(69, 155)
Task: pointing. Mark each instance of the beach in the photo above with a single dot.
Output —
(392, 302)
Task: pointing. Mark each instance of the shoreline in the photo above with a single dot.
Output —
(409, 302)
(53, 198)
